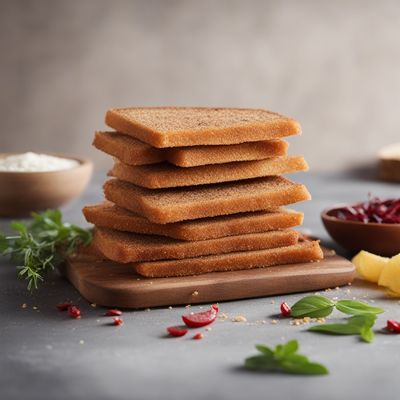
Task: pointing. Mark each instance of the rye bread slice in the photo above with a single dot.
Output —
(297, 253)
(126, 247)
(178, 204)
(186, 126)
(108, 215)
(165, 175)
(132, 151)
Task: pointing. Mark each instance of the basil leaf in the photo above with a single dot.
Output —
(363, 320)
(367, 334)
(352, 307)
(261, 362)
(284, 358)
(356, 325)
(3, 244)
(336, 329)
(265, 350)
(312, 306)
(293, 365)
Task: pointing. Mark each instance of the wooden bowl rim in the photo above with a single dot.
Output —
(83, 162)
(326, 217)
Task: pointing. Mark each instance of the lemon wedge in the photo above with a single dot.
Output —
(390, 275)
(369, 266)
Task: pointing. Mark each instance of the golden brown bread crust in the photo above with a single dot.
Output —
(127, 148)
(134, 152)
(165, 175)
(108, 215)
(126, 247)
(190, 126)
(179, 204)
(298, 253)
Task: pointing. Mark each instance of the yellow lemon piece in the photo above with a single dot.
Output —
(390, 276)
(369, 265)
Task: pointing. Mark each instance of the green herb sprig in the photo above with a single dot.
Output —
(357, 325)
(319, 307)
(284, 358)
(41, 245)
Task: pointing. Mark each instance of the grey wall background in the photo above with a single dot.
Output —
(333, 65)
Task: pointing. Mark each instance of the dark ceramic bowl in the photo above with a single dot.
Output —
(381, 239)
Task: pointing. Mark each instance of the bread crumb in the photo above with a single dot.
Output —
(208, 329)
(274, 321)
(222, 316)
(147, 309)
(272, 301)
(195, 293)
(239, 318)
(188, 306)
(81, 342)
(24, 305)
(170, 308)
(94, 305)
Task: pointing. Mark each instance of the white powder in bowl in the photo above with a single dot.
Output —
(33, 162)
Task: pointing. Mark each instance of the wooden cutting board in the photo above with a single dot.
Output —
(116, 285)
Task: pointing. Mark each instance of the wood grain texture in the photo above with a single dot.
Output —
(116, 285)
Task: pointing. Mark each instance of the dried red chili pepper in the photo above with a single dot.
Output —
(74, 312)
(177, 331)
(118, 321)
(63, 306)
(198, 336)
(196, 320)
(393, 326)
(113, 313)
(285, 309)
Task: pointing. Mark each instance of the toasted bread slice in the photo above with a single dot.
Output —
(179, 204)
(165, 175)
(134, 152)
(185, 126)
(108, 215)
(297, 253)
(126, 247)
(128, 149)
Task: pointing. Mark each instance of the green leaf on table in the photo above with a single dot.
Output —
(39, 246)
(357, 325)
(284, 358)
(352, 307)
(313, 307)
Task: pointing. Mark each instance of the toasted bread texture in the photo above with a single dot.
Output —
(165, 175)
(127, 149)
(134, 152)
(178, 204)
(190, 126)
(301, 252)
(108, 215)
(126, 247)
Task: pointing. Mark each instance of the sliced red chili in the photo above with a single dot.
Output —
(198, 336)
(118, 321)
(177, 331)
(113, 313)
(393, 326)
(196, 320)
(74, 312)
(63, 306)
(285, 309)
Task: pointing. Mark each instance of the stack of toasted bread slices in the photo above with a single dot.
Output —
(197, 190)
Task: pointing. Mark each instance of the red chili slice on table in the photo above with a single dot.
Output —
(285, 309)
(177, 331)
(113, 313)
(74, 312)
(393, 326)
(203, 318)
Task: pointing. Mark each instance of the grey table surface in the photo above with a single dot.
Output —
(46, 355)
